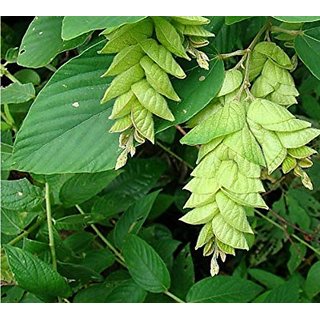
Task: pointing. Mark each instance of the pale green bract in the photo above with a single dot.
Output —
(238, 136)
(144, 60)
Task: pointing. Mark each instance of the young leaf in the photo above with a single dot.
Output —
(128, 35)
(72, 93)
(124, 60)
(223, 289)
(143, 121)
(42, 42)
(161, 56)
(123, 82)
(169, 37)
(158, 79)
(229, 119)
(145, 266)
(152, 100)
(36, 276)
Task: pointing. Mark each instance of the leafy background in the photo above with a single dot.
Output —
(116, 233)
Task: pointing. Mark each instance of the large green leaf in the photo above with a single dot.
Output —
(36, 276)
(66, 129)
(266, 278)
(297, 19)
(312, 284)
(223, 289)
(140, 176)
(75, 26)
(17, 93)
(132, 220)
(145, 266)
(307, 47)
(20, 195)
(42, 42)
(196, 91)
(83, 186)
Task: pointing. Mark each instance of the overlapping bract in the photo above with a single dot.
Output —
(238, 137)
(142, 65)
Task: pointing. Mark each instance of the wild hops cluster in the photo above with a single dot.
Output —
(238, 137)
(142, 65)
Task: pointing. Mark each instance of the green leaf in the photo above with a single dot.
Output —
(123, 82)
(75, 26)
(132, 220)
(195, 92)
(145, 266)
(68, 114)
(162, 57)
(268, 279)
(158, 78)
(235, 19)
(128, 35)
(229, 119)
(223, 289)
(138, 178)
(143, 121)
(286, 293)
(307, 47)
(169, 37)
(126, 291)
(14, 222)
(312, 284)
(28, 75)
(297, 19)
(35, 276)
(42, 42)
(125, 59)
(182, 273)
(99, 260)
(297, 254)
(20, 195)
(17, 93)
(83, 186)
(152, 100)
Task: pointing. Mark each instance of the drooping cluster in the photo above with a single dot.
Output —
(143, 63)
(238, 135)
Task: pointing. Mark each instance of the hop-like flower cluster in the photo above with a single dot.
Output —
(142, 66)
(238, 137)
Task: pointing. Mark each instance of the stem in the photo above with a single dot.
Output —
(174, 297)
(181, 130)
(291, 32)
(50, 228)
(6, 73)
(224, 56)
(51, 68)
(27, 232)
(174, 155)
(283, 229)
(118, 255)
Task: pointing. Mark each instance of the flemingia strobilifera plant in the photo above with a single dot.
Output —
(144, 61)
(246, 129)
